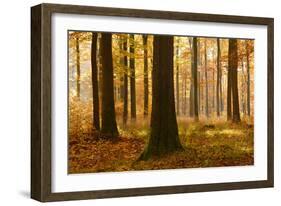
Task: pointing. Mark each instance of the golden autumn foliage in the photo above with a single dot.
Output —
(210, 142)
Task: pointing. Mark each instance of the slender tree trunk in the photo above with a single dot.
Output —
(242, 93)
(191, 98)
(199, 62)
(229, 81)
(177, 80)
(99, 62)
(182, 95)
(132, 78)
(206, 79)
(185, 96)
(218, 77)
(125, 79)
(195, 79)
(164, 136)
(221, 93)
(199, 91)
(109, 126)
(121, 62)
(191, 90)
(145, 75)
(248, 80)
(78, 68)
(95, 87)
(213, 86)
(233, 66)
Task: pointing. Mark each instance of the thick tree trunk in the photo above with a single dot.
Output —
(125, 79)
(233, 66)
(206, 82)
(78, 68)
(95, 87)
(145, 77)
(132, 78)
(164, 136)
(248, 80)
(218, 77)
(195, 79)
(109, 126)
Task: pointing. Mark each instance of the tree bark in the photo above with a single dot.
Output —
(191, 90)
(213, 86)
(109, 126)
(218, 77)
(125, 79)
(206, 83)
(132, 78)
(221, 93)
(233, 66)
(121, 62)
(78, 68)
(229, 81)
(248, 80)
(95, 86)
(195, 79)
(145, 77)
(164, 136)
(177, 80)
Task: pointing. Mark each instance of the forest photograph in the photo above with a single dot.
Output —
(152, 102)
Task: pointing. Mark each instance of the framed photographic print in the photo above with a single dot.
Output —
(130, 102)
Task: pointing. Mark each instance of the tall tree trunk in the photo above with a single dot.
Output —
(199, 92)
(125, 79)
(218, 77)
(164, 136)
(145, 77)
(132, 78)
(233, 66)
(78, 68)
(95, 87)
(121, 62)
(248, 80)
(109, 126)
(191, 98)
(221, 93)
(177, 80)
(206, 79)
(99, 62)
(195, 79)
(199, 79)
(184, 96)
(191, 90)
(229, 81)
(213, 85)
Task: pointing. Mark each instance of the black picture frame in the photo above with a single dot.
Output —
(41, 115)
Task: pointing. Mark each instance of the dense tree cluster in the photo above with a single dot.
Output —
(158, 78)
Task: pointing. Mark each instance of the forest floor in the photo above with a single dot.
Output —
(205, 145)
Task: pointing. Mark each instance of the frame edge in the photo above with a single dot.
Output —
(41, 97)
(36, 138)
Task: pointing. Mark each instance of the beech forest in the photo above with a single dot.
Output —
(146, 102)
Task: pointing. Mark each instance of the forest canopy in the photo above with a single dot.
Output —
(140, 101)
